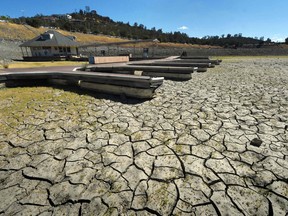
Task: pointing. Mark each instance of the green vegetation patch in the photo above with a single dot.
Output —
(22, 108)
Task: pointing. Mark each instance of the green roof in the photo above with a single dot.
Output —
(51, 38)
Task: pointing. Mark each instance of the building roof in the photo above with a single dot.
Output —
(51, 38)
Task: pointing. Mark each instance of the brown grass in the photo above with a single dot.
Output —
(18, 105)
(10, 31)
(245, 58)
(43, 64)
(90, 38)
(195, 46)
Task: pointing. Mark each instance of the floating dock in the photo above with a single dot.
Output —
(137, 79)
(121, 84)
(174, 67)
(174, 73)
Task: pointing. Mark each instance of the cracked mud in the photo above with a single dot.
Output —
(214, 145)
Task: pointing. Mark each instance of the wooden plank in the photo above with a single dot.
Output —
(108, 59)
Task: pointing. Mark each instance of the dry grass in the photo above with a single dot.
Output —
(18, 105)
(194, 46)
(245, 58)
(90, 38)
(43, 64)
(10, 31)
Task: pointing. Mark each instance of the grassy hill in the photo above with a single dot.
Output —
(93, 26)
(11, 31)
(15, 32)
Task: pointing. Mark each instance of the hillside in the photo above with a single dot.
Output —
(90, 22)
(12, 35)
(89, 26)
(11, 31)
(16, 32)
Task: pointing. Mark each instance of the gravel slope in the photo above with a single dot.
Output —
(10, 50)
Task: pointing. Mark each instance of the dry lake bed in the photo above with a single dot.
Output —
(214, 145)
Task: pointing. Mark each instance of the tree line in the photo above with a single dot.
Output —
(89, 21)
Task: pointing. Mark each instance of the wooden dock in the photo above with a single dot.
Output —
(121, 84)
(174, 73)
(137, 79)
(174, 67)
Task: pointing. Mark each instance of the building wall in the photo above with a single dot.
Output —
(53, 51)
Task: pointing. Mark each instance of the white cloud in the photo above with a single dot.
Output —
(278, 38)
(183, 28)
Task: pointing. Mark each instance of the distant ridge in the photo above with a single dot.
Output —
(17, 32)
(90, 22)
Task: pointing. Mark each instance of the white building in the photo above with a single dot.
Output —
(50, 44)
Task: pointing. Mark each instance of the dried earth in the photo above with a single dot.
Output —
(214, 145)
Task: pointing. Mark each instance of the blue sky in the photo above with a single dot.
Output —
(197, 18)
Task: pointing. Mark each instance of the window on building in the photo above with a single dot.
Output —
(46, 48)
